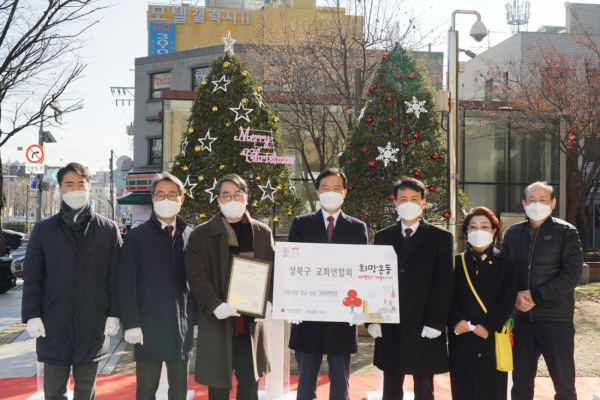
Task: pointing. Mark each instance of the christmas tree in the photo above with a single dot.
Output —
(397, 134)
(232, 129)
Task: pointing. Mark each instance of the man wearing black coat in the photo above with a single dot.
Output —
(157, 307)
(416, 346)
(70, 301)
(548, 262)
(312, 339)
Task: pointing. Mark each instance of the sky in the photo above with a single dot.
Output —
(111, 46)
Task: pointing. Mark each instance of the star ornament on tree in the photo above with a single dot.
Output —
(208, 139)
(189, 186)
(268, 188)
(259, 99)
(387, 154)
(415, 107)
(240, 114)
(184, 146)
(211, 191)
(223, 81)
(228, 43)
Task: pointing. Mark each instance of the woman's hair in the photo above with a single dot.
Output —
(486, 212)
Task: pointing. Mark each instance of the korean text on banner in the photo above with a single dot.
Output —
(161, 39)
(336, 283)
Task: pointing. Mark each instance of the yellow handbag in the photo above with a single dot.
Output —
(504, 356)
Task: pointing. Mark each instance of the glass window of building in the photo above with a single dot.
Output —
(160, 82)
(176, 114)
(198, 75)
(156, 148)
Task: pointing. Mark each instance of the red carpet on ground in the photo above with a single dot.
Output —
(122, 387)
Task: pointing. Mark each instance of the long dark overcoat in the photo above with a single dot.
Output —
(72, 286)
(473, 373)
(333, 338)
(426, 282)
(154, 294)
(207, 263)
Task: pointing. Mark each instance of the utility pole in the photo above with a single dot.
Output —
(38, 206)
(8, 195)
(112, 195)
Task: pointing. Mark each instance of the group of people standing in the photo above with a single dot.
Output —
(167, 279)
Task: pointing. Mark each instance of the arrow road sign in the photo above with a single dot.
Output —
(34, 154)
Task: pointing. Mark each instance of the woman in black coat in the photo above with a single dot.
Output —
(473, 373)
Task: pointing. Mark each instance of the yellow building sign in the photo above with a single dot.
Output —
(179, 28)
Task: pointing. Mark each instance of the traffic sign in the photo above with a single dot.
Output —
(34, 168)
(55, 175)
(34, 154)
(33, 182)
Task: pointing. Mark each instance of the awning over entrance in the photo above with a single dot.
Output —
(136, 198)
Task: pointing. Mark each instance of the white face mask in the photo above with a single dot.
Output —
(409, 211)
(167, 208)
(233, 209)
(331, 201)
(480, 238)
(538, 211)
(76, 199)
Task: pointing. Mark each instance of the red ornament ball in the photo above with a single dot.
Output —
(352, 293)
(390, 118)
(392, 197)
(415, 135)
(389, 98)
(371, 88)
(411, 76)
(446, 214)
(370, 120)
(417, 173)
(350, 188)
(435, 156)
(361, 215)
(365, 149)
(347, 302)
(354, 158)
(398, 76)
(432, 188)
(371, 164)
(405, 143)
(357, 302)
(384, 56)
(368, 92)
(349, 146)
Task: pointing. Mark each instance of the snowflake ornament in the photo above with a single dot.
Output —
(415, 107)
(387, 154)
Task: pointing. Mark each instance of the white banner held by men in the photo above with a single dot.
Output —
(336, 282)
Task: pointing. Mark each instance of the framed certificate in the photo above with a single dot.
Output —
(248, 288)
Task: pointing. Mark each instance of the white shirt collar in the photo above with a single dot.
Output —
(326, 215)
(164, 224)
(413, 227)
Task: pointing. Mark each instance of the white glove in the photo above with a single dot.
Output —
(134, 336)
(294, 321)
(195, 331)
(267, 313)
(375, 330)
(112, 326)
(225, 311)
(35, 328)
(430, 333)
(357, 323)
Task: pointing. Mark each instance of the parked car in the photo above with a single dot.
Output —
(12, 241)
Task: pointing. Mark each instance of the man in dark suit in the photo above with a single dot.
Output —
(312, 339)
(416, 346)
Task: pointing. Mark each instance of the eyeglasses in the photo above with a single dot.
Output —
(239, 196)
(170, 196)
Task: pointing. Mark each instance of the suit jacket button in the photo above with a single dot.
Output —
(402, 271)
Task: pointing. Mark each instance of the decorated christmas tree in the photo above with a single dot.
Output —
(397, 134)
(232, 129)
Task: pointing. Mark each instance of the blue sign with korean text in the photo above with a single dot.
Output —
(161, 39)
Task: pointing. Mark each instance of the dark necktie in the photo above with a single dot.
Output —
(407, 238)
(330, 228)
(169, 229)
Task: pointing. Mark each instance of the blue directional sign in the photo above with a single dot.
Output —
(55, 175)
(33, 182)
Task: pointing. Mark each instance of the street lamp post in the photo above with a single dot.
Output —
(478, 32)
